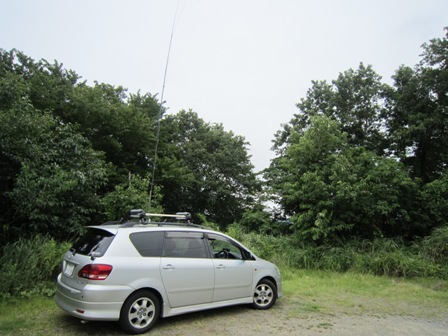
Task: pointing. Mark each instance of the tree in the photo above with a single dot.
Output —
(48, 85)
(54, 173)
(67, 145)
(332, 189)
(356, 99)
(204, 169)
(133, 195)
(120, 126)
(417, 119)
(364, 158)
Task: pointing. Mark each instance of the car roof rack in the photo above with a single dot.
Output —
(144, 216)
(178, 219)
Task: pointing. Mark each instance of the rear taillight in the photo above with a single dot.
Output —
(95, 271)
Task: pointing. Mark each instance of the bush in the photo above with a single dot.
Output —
(435, 247)
(381, 256)
(30, 266)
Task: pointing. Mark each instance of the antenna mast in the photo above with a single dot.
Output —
(151, 188)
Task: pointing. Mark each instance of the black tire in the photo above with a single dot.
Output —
(265, 295)
(140, 312)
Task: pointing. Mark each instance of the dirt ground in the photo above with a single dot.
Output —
(289, 317)
(282, 319)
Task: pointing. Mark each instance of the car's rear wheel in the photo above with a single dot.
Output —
(140, 312)
(265, 295)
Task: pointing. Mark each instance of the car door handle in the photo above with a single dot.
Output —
(168, 267)
(220, 267)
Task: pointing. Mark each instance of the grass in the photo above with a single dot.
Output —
(349, 293)
(306, 293)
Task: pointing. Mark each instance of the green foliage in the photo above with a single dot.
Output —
(67, 149)
(50, 173)
(333, 190)
(55, 173)
(255, 219)
(435, 200)
(435, 246)
(355, 100)
(134, 195)
(364, 159)
(205, 169)
(206, 223)
(122, 128)
(30, 266)
(360, 160)
(381, 256)
(416, 120)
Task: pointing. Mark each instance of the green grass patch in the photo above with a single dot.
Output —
(332, 293)
(28, 316)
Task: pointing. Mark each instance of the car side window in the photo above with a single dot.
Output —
(184, 245)
(224, 248)
(148, 244)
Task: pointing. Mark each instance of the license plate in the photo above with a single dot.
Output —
(69, 267)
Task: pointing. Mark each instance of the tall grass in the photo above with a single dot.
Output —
(30, 266)
(435, 247)
(382, 256)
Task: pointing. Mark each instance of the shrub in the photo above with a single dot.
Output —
(435, 247)
(28, 264)
(381, 256)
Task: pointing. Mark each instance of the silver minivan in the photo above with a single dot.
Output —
(136, 272)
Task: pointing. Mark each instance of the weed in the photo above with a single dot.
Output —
(381, 256)
(30, 266)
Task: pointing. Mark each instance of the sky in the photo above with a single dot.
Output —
(244, 64)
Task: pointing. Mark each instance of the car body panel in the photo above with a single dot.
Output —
(187, 281)
(233, 279)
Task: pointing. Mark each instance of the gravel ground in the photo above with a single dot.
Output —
(282, 319)
(290, 316)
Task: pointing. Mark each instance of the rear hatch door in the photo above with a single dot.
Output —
(90, 246)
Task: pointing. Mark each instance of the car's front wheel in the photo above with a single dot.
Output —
(265, 295)
(140, 312)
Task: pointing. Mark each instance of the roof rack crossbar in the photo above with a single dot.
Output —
(139, 213)
(166, 215)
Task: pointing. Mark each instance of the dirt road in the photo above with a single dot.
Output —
(289, 317)
(282, 319)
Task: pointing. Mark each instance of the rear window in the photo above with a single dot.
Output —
(93, 243)
(148, 244)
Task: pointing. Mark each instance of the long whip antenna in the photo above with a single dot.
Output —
(151, 188)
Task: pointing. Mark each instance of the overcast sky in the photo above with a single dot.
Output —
(242, 63)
